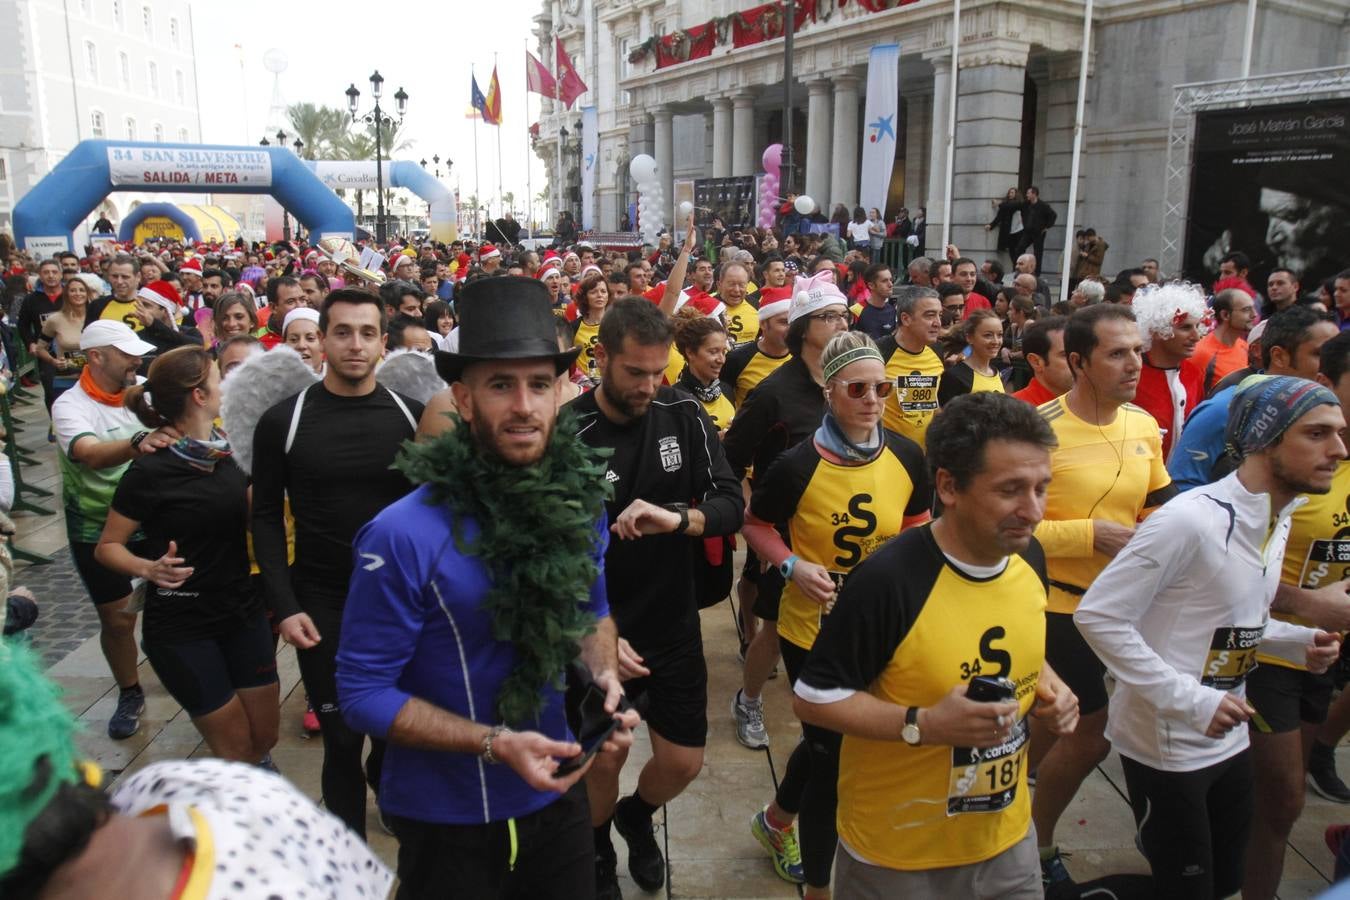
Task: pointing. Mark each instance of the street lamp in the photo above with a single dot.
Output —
(377, 118)
(264, 142)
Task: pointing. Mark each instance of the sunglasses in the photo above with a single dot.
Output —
(858, 389)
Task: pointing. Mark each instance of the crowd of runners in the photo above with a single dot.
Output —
(987, 537)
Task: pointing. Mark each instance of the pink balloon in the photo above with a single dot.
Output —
(773, 159)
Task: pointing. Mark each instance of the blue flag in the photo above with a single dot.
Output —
(476, 98)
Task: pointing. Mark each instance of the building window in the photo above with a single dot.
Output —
(96, 124)
(117, 13)
(179, 85)
(91, 60)
(131, 128)
(183, 136)
(4, 171)
(124, 69)
(159, 133)
(173, 32)
(148, 22)
(152, 70)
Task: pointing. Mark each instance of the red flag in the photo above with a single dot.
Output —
(492, 108)
(538, 78)
(570, 85)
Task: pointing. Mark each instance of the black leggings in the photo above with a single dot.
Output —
(343, 781)
(810, 785)
(1193, 825)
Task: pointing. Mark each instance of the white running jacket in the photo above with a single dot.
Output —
(1177, 617)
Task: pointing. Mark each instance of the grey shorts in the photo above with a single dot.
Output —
(1015, 874)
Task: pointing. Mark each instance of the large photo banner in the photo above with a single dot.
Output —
(1274, 183)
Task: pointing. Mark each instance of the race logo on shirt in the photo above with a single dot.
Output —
(671, 458)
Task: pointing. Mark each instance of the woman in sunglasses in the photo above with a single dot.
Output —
(837, 498)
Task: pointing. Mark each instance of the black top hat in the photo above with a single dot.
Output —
(504, 317)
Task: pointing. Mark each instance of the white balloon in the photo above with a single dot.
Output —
(642, 168)
(805, 205)
(685, 209)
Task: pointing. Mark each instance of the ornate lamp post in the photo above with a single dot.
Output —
(381, 121)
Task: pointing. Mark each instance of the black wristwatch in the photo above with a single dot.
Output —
(136, 441)
(683, 510)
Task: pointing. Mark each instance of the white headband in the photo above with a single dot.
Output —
(297, 314)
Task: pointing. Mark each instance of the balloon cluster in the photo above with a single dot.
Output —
(769, 184)
(651, 202)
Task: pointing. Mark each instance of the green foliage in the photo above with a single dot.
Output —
(537, 536)
(321, 128)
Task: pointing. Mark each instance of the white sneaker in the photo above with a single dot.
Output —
(749, 716)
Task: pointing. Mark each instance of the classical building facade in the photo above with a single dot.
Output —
(1017, 82)
(77, 69)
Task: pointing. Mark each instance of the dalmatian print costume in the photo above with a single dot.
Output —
(253, 835)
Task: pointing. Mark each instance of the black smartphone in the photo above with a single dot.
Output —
(596, 727)
(987, 689)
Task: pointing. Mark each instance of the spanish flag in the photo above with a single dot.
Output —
(492, 109)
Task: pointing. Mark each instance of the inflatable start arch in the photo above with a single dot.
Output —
(46, 218)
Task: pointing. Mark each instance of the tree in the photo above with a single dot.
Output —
(508, 201)
(320, 128)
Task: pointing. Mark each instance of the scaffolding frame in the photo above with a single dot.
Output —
(1232, 93)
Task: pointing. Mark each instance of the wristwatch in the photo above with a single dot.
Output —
(683, 510)
(136, 441)
(788, 565)
(493, 733)
(910, 733)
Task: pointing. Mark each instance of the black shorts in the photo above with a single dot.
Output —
(750, 570)
(203, 675)
(103, 584)
(1073, 660)
(1287, 698)
(770, 593)
(676, 705)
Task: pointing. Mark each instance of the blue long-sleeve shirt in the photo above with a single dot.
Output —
(1201, 443)
(414, 626)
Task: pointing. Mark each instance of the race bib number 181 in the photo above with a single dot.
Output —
(986, 780)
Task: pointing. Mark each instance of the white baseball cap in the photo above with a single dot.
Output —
(112, 333)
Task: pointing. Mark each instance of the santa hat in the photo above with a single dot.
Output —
(163, 294)
(571, 255)
(550, 267)
(592, 269)
(774, 308)
(488, 251)
(192, 265)
(814, 294)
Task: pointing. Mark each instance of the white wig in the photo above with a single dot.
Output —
(1160, 308)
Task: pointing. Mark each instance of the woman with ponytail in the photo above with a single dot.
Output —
(205, 632)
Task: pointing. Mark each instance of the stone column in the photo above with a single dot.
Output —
(743, 161)
(721, 137)
(818, 143)
(937, 152)
(665, 156)
(844, 148)
(988, 138)
(1060, 98)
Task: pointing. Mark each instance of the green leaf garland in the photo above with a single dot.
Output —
(537, 536)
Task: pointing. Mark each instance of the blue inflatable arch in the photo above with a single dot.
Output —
(127, 230)
(46, 218)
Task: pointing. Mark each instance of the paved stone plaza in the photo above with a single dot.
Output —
(705, 831)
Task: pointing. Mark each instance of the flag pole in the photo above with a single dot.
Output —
(529, 163)
(477, 197)
(501, 198)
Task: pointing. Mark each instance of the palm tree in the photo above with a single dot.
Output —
(320, 128)
(508, 200)
(356, 145)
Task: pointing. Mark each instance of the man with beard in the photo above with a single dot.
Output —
(214, 283)
(672, 485)
(328, 450)
(503, 541)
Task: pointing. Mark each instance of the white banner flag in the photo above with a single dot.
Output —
(590, 153)
(879, 126)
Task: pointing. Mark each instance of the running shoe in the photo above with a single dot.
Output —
(1322, 777)
(645, 862)
(607, 877)
(267, 763)
(126, 721)
(309, 723)
(749, 716)
(1053, 871)
(781, 845)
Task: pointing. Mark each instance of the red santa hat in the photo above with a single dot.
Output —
(192, 265)
(488, 251)
(164, 294)
(550, 267)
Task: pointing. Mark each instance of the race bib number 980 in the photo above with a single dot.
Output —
(918, 393)
(986, 780)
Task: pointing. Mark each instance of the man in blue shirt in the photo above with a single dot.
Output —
(470, 596)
